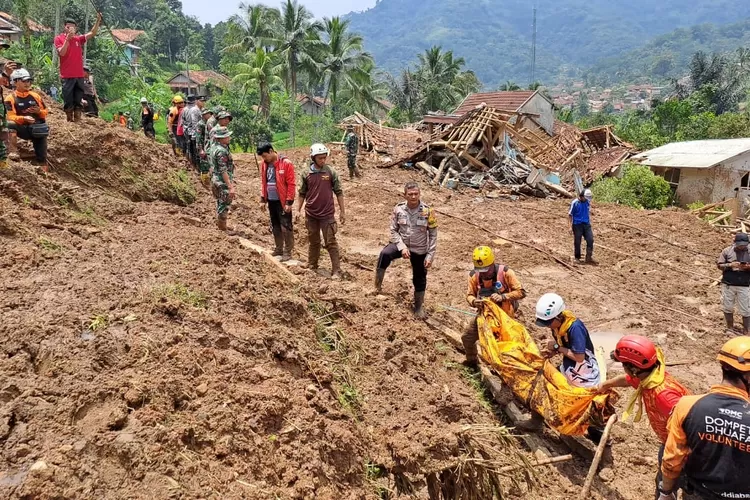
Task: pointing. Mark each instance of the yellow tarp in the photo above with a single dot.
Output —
(513, 354)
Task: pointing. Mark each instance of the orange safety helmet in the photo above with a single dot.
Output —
(736, 354)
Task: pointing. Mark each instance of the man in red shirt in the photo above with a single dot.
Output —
(69, 47)
(656, 390)
(277, 190)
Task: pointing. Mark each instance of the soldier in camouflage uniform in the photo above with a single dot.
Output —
(222, 166)
(351, 141)
(204, 164)
(211, 123)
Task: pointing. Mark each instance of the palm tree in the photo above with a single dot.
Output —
(343, 56)
(363, 91)
(262, 70)
(405, 94)
(437, 72)
(297, 41)
(509, 86)
(254, 29)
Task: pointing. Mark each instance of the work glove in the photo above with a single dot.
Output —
(497, 298)
(478, 303)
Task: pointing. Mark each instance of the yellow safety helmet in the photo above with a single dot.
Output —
(484, 257)
(736, 353)
(177, 99)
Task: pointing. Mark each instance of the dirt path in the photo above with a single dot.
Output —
(148, 356)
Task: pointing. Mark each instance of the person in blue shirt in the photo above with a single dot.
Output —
(580, 225)
(569, 338)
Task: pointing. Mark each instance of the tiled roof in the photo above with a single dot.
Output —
(33, 25)
(127, 35)
(503, 100)
(201, 77)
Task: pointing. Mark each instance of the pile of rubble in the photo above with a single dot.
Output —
(488, 149)
(728, 215)
(391, 142)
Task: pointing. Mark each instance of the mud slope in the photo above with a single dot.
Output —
(146, 355)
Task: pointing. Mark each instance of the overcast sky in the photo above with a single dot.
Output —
(214, 11)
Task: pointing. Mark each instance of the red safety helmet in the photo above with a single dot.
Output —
(636, 350)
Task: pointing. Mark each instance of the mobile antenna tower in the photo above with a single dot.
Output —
(533, 50)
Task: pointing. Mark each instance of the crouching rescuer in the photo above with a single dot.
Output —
(414, 237)
(27, 115)
(492, 281)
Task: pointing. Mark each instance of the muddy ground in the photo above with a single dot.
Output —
(147, 355)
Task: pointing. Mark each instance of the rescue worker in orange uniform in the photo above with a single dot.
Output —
(489, 281)
(708, 439)
(656, 390)
(27, 114)
(178, 103)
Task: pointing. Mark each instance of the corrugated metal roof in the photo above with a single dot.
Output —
(504, 100)
(694, 154)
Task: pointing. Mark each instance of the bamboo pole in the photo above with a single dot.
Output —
(586, 492)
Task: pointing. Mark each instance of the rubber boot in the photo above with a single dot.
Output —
(313, 256)
(278, 240)
(77, 114)
(335, 263)
(13, 146)
(419, 305)
(69, 115)
(221, 224)
(729, 319)
(288, 238)
(745, 325)
(379, 276)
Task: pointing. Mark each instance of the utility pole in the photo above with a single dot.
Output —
(55, 55)
(533, 50)
(86, 45)
(187, 68)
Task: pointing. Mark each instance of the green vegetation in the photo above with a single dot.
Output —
(639, 187)
(474, 379)
(495, 36)
(436, 84)
(704, 105)
(180, 187)
(182, 294)
(667, 56)
(98, 322)
(49, 245)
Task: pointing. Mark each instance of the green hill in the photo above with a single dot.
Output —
(494, 36)
(667, 56)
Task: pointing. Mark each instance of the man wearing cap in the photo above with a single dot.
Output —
(147, 119)
(210, 124)
(222, 166)
(70, 49)
(204, 165)
(89, 93)
(173, 121)
(223, 119)
(351, 141)
(580, 225)
(734, 263)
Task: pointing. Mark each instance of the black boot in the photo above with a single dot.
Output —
(419, 305)
(379, 276)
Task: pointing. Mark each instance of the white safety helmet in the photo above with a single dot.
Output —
(318, 149)
(144, 100)
(548, 307)
(20, 74)
(588, 195)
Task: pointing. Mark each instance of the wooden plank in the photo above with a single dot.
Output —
(720, 218)
(269, 258)
(478, 164)
(449, 334)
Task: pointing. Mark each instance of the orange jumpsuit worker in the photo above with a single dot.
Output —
(492, 281)
(656, 390)
(709, 435)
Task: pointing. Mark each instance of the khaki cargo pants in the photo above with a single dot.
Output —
(731, 295)
(316, 227)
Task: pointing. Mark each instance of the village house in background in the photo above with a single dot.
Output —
(10, 27)
(536, 109)
(199, 82)
(703, 171)
(126, 39)
(311, 105)
(632, 97)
